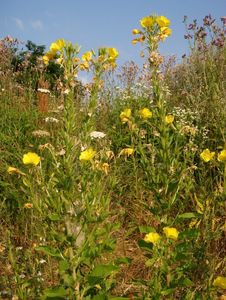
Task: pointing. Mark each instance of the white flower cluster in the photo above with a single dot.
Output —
(45, 91)
(51, 120)
(97, 135)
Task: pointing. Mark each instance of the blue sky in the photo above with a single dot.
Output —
(98, 23)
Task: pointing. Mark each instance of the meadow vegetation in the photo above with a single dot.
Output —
(114, 189)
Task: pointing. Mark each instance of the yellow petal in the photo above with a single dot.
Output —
(87, 56)
(31, 158)
(147, 22)
(125, 115)
(145, 113)
(113, 52)
(169, 119)
(162, 21)
(206, 155)
(222, 156)
(220, 282)
(152, 237)
(171, 233)
(87, 154)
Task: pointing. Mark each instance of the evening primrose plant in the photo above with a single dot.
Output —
(68, 190)
(84, 195)
(65, 54)
(154, 29)
(216, 159)
(161, 262)
(170, 261)
(165, 156)
(168, 168)
(74, 216)
(98, 63)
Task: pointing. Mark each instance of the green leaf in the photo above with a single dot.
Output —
(187, 282)
(68, 279)
(188, 215)
(172, 186)
(26, 182)
(146, 229)
(63, 265)
(183, 248)
(49, 251)
(190, 233)
(25, 285)
(100, 297)
(146, 246)
(167, 292)
(123, 260)
(103, 271)
(54, 217)
(56, 293)
(150, 262)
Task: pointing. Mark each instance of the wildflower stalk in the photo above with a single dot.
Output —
(155, 29)
(75, 192)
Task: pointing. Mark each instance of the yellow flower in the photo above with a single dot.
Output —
(162, 21)
(147, 22)
(45, 59)
(206, 155)
(152, 237)
(61, 43)
(125, 115)
(222, 155)
(126, 151)
(31, 158)
(87, 154)
(54, 47)
(28, 205)
(169, 119)
(113, 53)
(12, 170)
(57, 45)
(165, 32)
(145, 113)
(87, 56)
(136, 31)
(171, 233)
(220, 282)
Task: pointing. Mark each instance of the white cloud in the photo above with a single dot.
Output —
(37, 24)
(19, 23)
